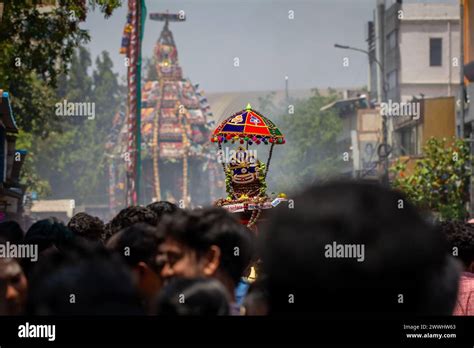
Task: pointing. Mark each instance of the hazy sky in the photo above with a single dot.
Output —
(259, 32)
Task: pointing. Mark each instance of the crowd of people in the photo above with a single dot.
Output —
(166, 261)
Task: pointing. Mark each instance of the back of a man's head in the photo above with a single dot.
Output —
(47, 234)
(11, 231)
(203, 297)
(162, 208)
(82, 282)
(460, 236)
(356, 248)
(86, 226)
(130, 216)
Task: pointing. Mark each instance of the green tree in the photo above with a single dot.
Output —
(72, 161)
(35, 48)
(266, 105)
(30, 177)
(58, 156)
(107, 95)
(107, 92)
(440, 180)
(310, 152)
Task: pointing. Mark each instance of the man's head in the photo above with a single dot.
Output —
(206, 243)
(194, 297)
(13, 287)
(82, 282)
(161, 208)
(138, 246)
(130, 216)
(86, 226)
(357, 248)
(11, 231)
(255, 302)
(49, 235)
(460, 237)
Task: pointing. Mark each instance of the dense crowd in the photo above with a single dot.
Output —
(163, 260)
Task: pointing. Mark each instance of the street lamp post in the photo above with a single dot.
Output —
(383, 150)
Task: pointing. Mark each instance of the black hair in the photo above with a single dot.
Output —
(256, 300)
(162, 207)
(200, 229)
(11, 231)
(129, 216)
(86, 282)
(460, 235)
(193, 297)
(86, 226)
(47, 234)
(405, 269)
(142, 241)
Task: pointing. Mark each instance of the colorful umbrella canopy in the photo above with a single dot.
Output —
(249, 125)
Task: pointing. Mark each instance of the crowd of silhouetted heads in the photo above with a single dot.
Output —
(299, 260)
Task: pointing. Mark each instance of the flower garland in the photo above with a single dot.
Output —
(254, 218)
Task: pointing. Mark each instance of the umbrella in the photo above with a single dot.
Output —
(250, 126)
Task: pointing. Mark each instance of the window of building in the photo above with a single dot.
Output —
(410, 141)
(436, 45)
(392, 39)
(392, 79)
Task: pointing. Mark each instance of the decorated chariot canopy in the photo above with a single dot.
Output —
(245, 173)
(249, 126)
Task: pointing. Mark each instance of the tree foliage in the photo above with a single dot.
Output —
(36, 47)
(29, 175)
(440, 181)
(74, 161)
(310, 152)
(266, 104)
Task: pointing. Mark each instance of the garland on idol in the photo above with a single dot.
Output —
(245, 173)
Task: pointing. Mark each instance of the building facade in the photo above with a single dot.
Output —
(437, 119)
(359, 138)
(420, 50)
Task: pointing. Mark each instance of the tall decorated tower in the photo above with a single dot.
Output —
(177, 162)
